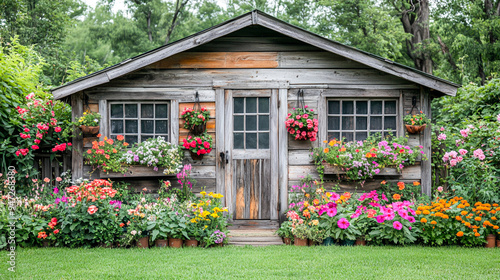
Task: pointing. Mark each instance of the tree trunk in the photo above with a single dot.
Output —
(179, 5)
(148, 17)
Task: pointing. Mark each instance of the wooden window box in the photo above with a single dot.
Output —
(136, 171)
(388, 171)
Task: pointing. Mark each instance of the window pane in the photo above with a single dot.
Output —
(147, 111)
(164, 136)
(238, 142)
(333, 107)
(238, 104)
(251, 123)
(131, 110)
(390, 107)
(239, 124)
(146, 137)
(264, 122)
(360, 136)
(116, 110)
(131, 126)
(131, 139)
(362, 107)
(349, 136)
(376, 107)
(263, 105)
(333, 135)
(161, 111)
(375, 123)
(117, 126)
(263, 140)
(347, 123)
(147, 126)
(333, 123)
(251, 106)
(161, 127)
(251, 141)
(390, 123)
(348, 107)
(361, 123)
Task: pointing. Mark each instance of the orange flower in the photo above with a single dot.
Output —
(332, 142)
(416, 183)
(495, 227)
(125, 144)
(426, 212)
(99, 135)
(494, 218)
(463, 213)
(433, 222)
(477, 234)
(383, 182)
(458, 218)
(460, 233)
(477, 219)
(401, 186)
(467, 224)
(495, 204)
(368, 155)
(326, 150)
(342, 149)
(347, 195)
(396, 196)
(418, 212)
(423, 220)
(120, 137)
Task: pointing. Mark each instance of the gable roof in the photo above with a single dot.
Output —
(258, 18)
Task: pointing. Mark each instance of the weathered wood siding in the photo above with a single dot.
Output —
(257, 56)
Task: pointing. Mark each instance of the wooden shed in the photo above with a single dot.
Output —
(248, 71)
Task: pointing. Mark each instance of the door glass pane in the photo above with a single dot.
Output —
(117, 126)
(239, 124)
(161, 127)
(333, 135)
(264, 122)
(161, 111)
(131, 126)
(333, 107)
(348, 107)
(376, 107)
(251, 105)
(263, 105)
(390, 123)
(131, 110)
(116, 110)
(333, 123)
(239, 104)
(362, 107)
(147, 126)
(251, 123)
(347, 123)
(251, 141)
(238, 141)
(360, 136)
(263, 140)
(375, 123)
(147, 111)
(131, 139)
(390, 107)
(361, 123)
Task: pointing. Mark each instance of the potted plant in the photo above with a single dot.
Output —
(193, 231)
(198, 146)
(285, 232)
(216, 238)
(176, 228)
(341, 229)
(195, 120)
(416, 123)
(316, 234)
(89, 123)
(300, 232)
(301, 124)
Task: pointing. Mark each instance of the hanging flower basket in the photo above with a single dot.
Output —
(198, 146)
(89, 130)
(415, 129)
(301, 122)
(196, 118)
(195, 156)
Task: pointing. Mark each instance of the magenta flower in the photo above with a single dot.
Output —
(331, 212)
(380, 219)
(343, 223)
(397, 225)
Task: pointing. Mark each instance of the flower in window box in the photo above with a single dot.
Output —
(302, 125)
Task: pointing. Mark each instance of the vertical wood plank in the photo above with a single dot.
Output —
(401, 114)
(283, 151)
(219, 143)
(239, 184)
(77, 151)
(254, 185)
(322, 126)
(246, 186)
(426, 165)
(228, 144)
(103, 125)
(274, 119)
(174, 122)
(260, 188)
(266, 197)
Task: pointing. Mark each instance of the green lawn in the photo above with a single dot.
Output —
(286, 262)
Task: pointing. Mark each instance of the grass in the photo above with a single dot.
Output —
(274, 262)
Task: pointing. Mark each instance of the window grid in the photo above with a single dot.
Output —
(341, 132)
(139, 134)
(244, 130)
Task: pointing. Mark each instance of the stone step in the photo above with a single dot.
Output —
(251, 239)
(257, 244)
(235, 232)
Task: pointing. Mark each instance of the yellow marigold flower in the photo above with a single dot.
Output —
(477, 234)
(426, 212)
(461, 205)
(203, 193)
(458, 218)
(214, 215)
(493, 212)
(495, 204)
(467, 224)
(477, 203)
(423, 220)
(477, 218)
(445, 217)
(420, 208)
(460, 233)
(418, 212)
(433, 222)
(464, 213)
(495, 227)
(194, 221)
(494, 218)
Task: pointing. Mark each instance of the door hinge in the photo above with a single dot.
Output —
(279, 103)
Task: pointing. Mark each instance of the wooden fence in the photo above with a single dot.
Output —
(52, 169)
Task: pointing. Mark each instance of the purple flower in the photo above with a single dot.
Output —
(116, 203)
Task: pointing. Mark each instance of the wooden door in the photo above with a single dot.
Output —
(251, 148)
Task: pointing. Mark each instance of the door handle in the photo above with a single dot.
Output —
(223, 158)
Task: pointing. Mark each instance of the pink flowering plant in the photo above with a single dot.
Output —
(301, 124)
(195, 117)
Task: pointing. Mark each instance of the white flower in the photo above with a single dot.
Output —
(134, 232)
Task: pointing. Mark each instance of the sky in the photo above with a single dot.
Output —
(120, 4)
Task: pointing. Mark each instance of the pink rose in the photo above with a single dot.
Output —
(57, 129)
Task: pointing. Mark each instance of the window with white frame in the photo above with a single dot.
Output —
(356, 119)
(139, 121)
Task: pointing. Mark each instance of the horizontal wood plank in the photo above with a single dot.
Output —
(218, 60)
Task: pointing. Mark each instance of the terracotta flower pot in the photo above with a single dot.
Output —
(360, 242)
(498, 242)
(414, 129)
(287, 241)
(195, 156)
(191, 243)
(300, 242)
(175, 242)
(310, 242)
(89, 130)
(143, 242)
(46, 243)
(491, 240)
(161, 243)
